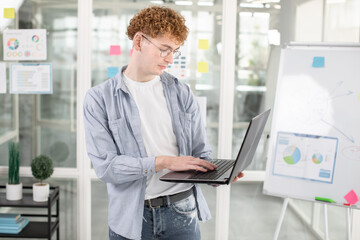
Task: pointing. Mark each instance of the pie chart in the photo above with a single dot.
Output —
(13, 43)
(317, 158)
(291, 155)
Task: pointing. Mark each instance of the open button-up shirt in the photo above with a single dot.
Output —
(117, 151)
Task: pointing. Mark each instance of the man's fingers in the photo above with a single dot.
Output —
(204, 163)
(198, 168)
(235, 179)
(240, 175)
(184, 163)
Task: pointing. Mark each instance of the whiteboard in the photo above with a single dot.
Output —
(314, 146)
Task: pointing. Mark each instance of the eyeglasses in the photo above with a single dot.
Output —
(165, 53)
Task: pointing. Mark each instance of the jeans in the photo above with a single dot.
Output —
(177, 221)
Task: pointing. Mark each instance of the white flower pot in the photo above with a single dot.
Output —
(13, 192)
(41, 192)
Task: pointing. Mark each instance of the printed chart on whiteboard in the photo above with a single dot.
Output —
(305, 156)
(24, 44)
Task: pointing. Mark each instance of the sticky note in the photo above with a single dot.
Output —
(131, 51)
(203, 67)
(203, 44)
(351, 197)
(9, 12)
(115, 50)
(112, 71)
(318, 62)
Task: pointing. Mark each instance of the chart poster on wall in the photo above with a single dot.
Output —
(178, 67)
(24, 44)
(31, 78)
(305, 156)
(2, 77)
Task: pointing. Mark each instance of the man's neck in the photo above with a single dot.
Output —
(136, 74)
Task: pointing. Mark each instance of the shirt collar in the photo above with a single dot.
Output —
(165, 78)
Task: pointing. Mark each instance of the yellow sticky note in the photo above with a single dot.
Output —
(203, 67)
(203, 44)
(9, 12)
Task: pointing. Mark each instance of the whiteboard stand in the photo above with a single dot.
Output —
(348, 223)
(326, 228)
(282, 214)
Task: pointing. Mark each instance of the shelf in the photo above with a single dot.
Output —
(33, 230)
(40, 228)
(27, 200)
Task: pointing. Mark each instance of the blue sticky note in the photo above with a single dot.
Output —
(112, 71)
(318, 62)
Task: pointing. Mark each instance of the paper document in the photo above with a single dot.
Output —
(178, 67)
(31, 78)
(305, 156)
(2, 77)
(24, 44)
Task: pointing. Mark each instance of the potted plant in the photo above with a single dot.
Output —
(13, 186)
(41, 167)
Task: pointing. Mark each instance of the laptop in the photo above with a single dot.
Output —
(226, 169)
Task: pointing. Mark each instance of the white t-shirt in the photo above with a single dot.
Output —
(157, 132)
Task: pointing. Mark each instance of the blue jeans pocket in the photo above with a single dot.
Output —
(186, 206)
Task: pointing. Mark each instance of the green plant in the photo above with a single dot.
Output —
(14, 163)
(42, 167)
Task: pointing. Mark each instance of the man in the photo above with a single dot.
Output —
(143, 123)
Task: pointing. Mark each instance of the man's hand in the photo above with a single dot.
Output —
(240, 175)
(183, 163)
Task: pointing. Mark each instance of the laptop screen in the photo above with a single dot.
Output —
(250, 142)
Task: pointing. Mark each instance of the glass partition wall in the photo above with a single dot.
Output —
(52, 124)
(9, 124)
(46, 123)
(261, 29)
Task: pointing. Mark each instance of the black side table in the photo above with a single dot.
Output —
(35, 229)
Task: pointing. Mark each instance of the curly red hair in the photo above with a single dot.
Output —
(158, 21)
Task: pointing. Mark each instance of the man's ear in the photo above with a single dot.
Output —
(137, 42)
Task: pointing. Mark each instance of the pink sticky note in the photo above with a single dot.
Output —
(351, 197)
(115, 50)
(131, 51)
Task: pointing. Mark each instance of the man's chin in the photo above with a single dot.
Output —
(160, 71)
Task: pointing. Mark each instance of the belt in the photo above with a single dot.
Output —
(162, 201)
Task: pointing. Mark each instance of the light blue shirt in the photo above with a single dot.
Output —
(117, 151)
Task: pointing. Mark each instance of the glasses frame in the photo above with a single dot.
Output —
(164, 53)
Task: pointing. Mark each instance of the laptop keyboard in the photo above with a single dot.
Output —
(222, 167)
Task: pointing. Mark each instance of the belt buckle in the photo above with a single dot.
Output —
(149, 201)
